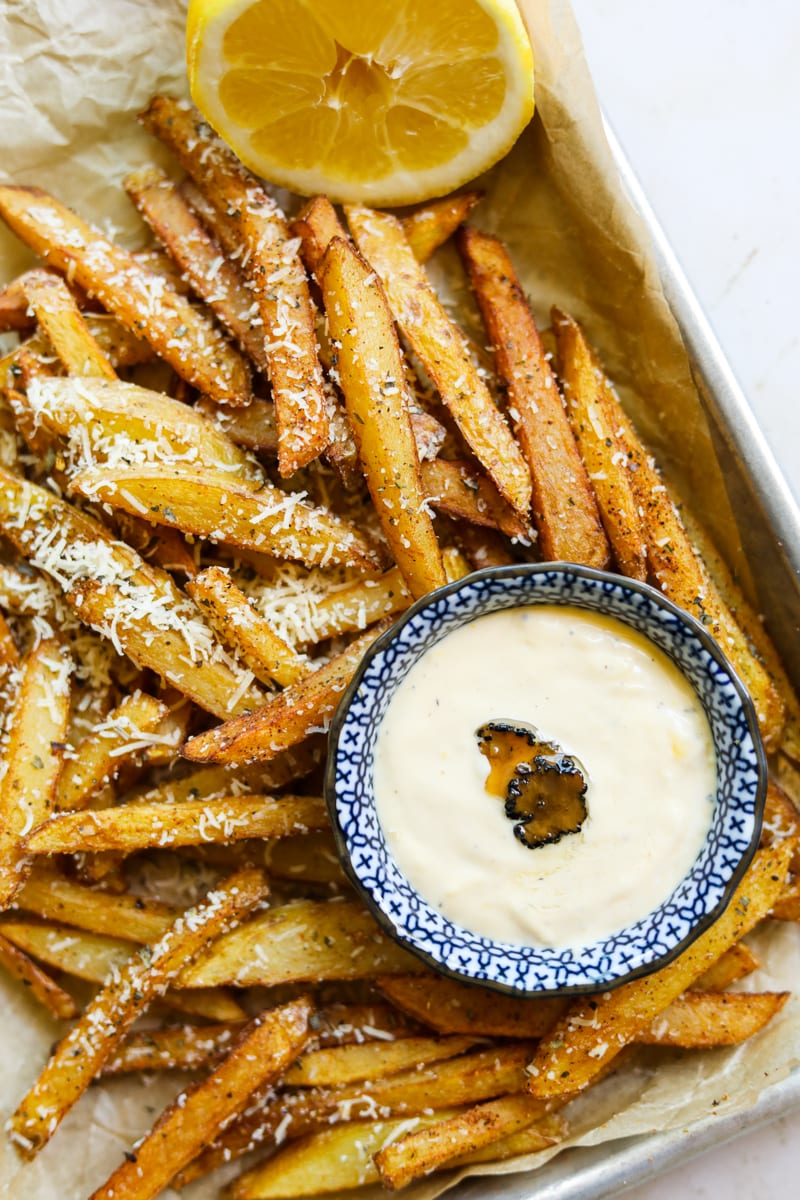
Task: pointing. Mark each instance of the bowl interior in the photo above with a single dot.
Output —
(635, 950)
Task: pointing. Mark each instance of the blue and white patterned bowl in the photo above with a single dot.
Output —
(635, 950)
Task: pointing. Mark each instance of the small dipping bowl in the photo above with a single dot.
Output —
(636, 950)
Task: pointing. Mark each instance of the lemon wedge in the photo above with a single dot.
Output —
(383, 101)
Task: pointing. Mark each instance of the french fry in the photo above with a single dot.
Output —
(236, 622)
(368, 600)
(287, 718)
(468, 1079)
(99, 758)
(274, 272)
(309, 858)
(9, 654)
(591, 409)
(373, 1060)
(457, 489)
(527, 1141)
(94, 956)
(175, 1048)
(303, 941)
(736, 963)
(442, 349)
(593, 1031)
(164, 548)
(259, 1056)
(80, 1055)
(564, 508)
(429, 226)
(787, 907)
(703, 1019)
(43, 989)
(451, 1007)
(60, 318)
(212, 505)
(214, 278)
(111, 589)
(132, 827)
(682, 577)
(429, 434)
(212, 782)
(31, 756)
(54, 897)
(142, 302)
(346, 1024)
(370, 369)
(332, 1161)
(145, 422)
(408, 1157)
(316, 225)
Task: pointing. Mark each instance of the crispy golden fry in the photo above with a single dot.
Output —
(452, 1007)
(9, 654)
(309, 858)
(701, 1019)
(230, 613)
(593, 1031)
(368, 600)
(564, 508)
(115, 592)
(253, 428)
(287, 718)
(458, 489)
(429, 226)
(591, 409)
(44, 989)
(164, 548)
(142, 302)
(781, 820)
(346, 1024)
(133, 827)
(274, 272)
(60, 318)
(99, 758)
(443, 351)
(467, 1079)
(316, 225)
(141, 423)
(735, 963)
(211, 504)
(93, 957)
(407, 1158)
(307, 940)
(224, 228)
(373, 1060)
(56, 898)
(370, 369)
(145, 976)
(260, 1055)
(429, 434)
(31, 756)
(527, 1141)
(332, 1161)
(680, 574)
(211, 782)
(483, 547)
(216, 279)
(175, 1048)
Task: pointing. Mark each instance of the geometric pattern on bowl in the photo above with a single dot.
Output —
(640, 947)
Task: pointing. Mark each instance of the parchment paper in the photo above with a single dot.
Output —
(72, 75)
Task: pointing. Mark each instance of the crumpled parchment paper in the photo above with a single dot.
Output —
(73, 73)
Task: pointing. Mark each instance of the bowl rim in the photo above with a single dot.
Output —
(515, 571)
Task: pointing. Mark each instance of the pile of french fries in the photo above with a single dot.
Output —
(228, 462)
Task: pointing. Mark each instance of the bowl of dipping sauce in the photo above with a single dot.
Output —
(546, 778)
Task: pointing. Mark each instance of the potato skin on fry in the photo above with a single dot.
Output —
(563, 508)
(591, 406)
(141, 301)
(443, 351)
(371, 374)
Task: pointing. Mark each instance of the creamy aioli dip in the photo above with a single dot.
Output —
(605, 694)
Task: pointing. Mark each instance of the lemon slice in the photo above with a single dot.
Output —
(385, 101)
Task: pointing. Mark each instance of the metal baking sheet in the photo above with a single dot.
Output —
(771, 537)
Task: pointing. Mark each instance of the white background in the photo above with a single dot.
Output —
(705, 97)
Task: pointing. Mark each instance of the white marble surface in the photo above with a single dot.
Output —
(705, 97)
